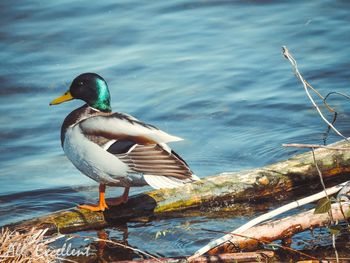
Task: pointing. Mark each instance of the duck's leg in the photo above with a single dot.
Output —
(119, 200)
(101, 206)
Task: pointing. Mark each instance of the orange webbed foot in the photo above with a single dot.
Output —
(101, 206)
(95, 208)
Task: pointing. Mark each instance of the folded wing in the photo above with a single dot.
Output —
(120, 126)
(161, 167)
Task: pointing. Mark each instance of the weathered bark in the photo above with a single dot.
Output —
(226, 187)
(281, 229)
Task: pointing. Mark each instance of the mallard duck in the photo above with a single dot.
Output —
(116, 149)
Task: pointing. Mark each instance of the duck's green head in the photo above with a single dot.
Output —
(91, 88)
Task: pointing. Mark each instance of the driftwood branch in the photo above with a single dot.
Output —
(260, 183)
(267, 216)
(282, 229)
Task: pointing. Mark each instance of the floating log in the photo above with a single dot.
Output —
(231, 187)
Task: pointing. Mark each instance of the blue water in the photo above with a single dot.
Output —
(208, 71)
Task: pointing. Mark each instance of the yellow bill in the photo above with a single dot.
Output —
(65, 97)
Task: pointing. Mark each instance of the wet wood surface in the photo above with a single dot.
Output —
(282, 229)
(217, 190)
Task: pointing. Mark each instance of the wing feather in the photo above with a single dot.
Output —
(158, 182)
(120, 126)
(161, 163)
(155, 162)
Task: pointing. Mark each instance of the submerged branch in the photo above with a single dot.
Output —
(267, 216)
(281, 229)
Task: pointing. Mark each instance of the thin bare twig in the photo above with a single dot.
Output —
(337, 93)
(118, 244)
(320, 96)
(315, 146)
(306, 85)
(335, 248)
(322, 182)
(128, 247)
(325, 136)
(263, 241)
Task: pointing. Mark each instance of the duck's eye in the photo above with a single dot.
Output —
(81, 83)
